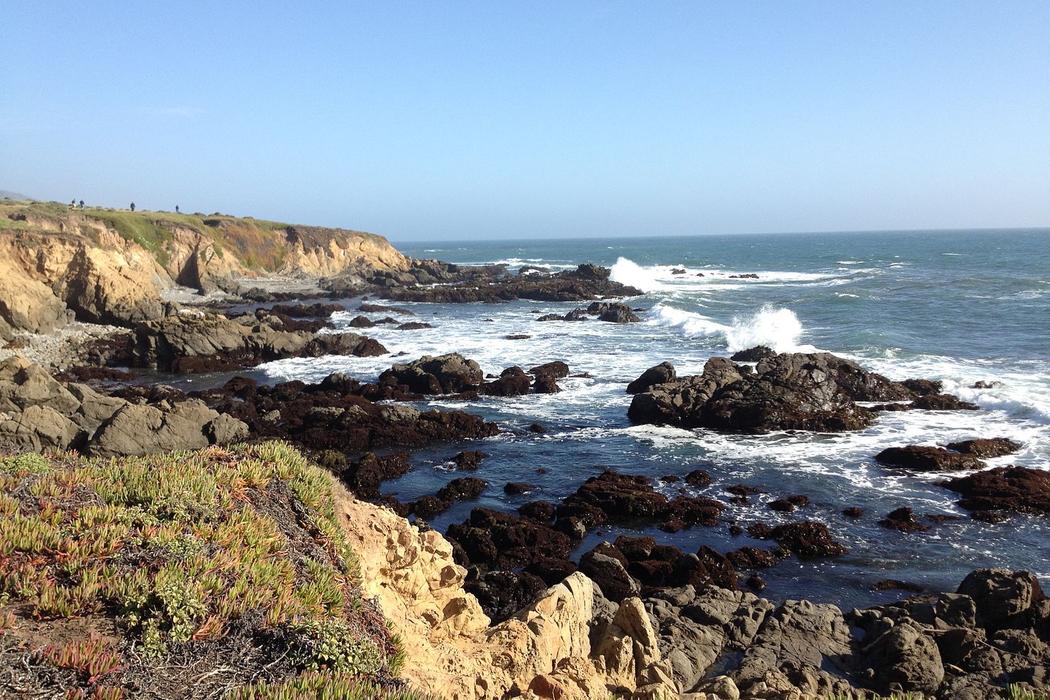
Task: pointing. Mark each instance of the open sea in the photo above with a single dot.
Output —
(959, 306)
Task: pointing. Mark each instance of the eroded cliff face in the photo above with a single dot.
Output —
(107, 266)
(572, 644)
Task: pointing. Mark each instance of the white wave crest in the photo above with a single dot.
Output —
(689, 322)
(633, 275)
(776, 328)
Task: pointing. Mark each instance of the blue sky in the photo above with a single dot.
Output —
(495, 119)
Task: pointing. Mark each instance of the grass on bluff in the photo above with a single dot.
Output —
(218, 573)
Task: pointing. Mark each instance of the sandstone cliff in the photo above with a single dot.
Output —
(108, 266)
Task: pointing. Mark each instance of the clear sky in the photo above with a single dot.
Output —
(432, 120)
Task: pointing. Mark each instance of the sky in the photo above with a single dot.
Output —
(481, 120)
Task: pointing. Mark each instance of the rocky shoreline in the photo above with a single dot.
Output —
(633, 615)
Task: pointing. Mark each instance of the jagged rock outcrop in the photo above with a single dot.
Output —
(790, 391)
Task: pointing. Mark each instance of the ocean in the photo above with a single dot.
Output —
(959, 306)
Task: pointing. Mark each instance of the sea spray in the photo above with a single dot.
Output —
(775, 328)
(633, 275)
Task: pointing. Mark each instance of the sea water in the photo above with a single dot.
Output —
(958, 306)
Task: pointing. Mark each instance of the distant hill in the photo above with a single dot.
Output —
(7, 194)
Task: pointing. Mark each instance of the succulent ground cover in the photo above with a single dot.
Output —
(209, 574)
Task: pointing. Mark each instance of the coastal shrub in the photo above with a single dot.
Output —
(323, 686)
(330, 645)
(184, 549)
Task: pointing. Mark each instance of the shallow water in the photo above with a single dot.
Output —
(955, 306)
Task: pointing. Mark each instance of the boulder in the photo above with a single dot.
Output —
(443, 374)
(513, 381)
(613, 312)
(986, 447)
(904, 658)
(1001, 595)
(138, 429)
(660, 374)
(927, 458)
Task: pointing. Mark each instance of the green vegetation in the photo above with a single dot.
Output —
(227, 556)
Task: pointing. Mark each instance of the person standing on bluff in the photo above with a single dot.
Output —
(132, 206)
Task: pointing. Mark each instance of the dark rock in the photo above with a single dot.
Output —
(1001, 595)
(678, 271)
(504, 541)
(745, 276)
(381, 309)
(889, 584)
(698, 478)
(361, 322)
(542, 511)
(462, 489)
(413, 326)
(754, 558)
(927, 458)
(517, 488)
(853, 512)
(468, 460)
(943, 402)
(660, 374)
(364, 476)
(815, 391)
(986, 447)
(1011, 489)
(537, 428)
(503, 593)
(612, 312)
(517, 336)
(905, 659)
(903, 520)
(556, 370)
(755, 354)
(551, 571)
(343, 344)
(619, 498)
(444, 374)
(512, 382)
(923, 387)
(610, 573)
(756, 583)
(808, 538)
(545, 384)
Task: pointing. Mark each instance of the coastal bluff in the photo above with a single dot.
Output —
(112, 266)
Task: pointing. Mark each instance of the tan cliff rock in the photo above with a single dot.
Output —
(110, 266)
(454, 653)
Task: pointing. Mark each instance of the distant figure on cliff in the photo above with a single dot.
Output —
(132, 206)
(82, 204)
(176, 208)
